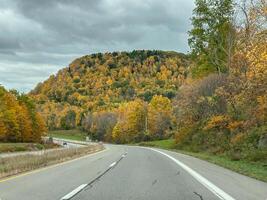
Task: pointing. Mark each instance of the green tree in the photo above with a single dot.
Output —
(69, 120)
(212, 36)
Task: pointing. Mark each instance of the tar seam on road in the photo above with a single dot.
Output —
(84, 186)
(200, 196)
(205, 182)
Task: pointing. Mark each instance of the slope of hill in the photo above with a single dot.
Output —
(103, 81)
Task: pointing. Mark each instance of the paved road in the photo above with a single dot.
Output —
(122, 172)
(69, 144)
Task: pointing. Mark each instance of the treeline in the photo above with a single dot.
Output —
(224, 108)
(103, 81)
(133, 121)
(19, 121)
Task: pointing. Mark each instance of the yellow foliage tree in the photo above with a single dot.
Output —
(19, 121)
(159, 117)
(131, 122)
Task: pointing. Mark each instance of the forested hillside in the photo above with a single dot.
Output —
(19, 121)
(102, 82)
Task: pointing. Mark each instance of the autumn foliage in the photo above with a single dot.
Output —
(226, 112)
(19, 121)
(104, 81)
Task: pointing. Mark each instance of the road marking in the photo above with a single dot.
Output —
(210, 186)
(112, 164)
(51, 166)
(74, 192)
(81, 187)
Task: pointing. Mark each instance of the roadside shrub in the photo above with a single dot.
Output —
(234, 155)
(147, 144)
(256, 155)
(182, 136)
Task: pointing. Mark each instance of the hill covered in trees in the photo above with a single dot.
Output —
(102, 82)
(19, 121)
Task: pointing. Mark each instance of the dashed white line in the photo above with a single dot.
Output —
(210, 186)
(81, 187)
(112, 164)
(74, 192)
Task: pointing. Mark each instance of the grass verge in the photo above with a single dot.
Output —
(74, 134)
(16, 147)
(17, 164)
(256, 170)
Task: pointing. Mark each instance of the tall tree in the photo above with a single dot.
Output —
(159, 117)
(69, 120)
(212, 36)
(103, 124)
(131, 122)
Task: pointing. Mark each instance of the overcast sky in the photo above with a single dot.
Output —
(38, 37)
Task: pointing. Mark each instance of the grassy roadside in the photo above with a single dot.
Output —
(17, 147)
(74, 134)
(256, 170)
(17, 164)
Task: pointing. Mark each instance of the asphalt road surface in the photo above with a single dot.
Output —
(123, 172)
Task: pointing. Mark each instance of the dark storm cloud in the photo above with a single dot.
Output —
(38, 37)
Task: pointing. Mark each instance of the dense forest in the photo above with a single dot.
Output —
(19, 121)
(100, 84)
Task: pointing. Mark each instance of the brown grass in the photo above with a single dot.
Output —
(22, 163)
(16, 147)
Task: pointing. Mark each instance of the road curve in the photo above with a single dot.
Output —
(123, 172)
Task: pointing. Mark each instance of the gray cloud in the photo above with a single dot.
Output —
(38, 37)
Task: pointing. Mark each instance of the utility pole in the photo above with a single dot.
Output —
(146, 124)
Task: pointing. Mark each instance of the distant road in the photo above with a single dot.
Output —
(70, 144)
(123, 172)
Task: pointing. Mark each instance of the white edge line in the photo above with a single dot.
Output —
(112, 164)
(75, 191)
(210, 186)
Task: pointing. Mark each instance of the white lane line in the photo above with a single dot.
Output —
(74, 192)
(210, 186)
(112, 164)
(81, 187)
